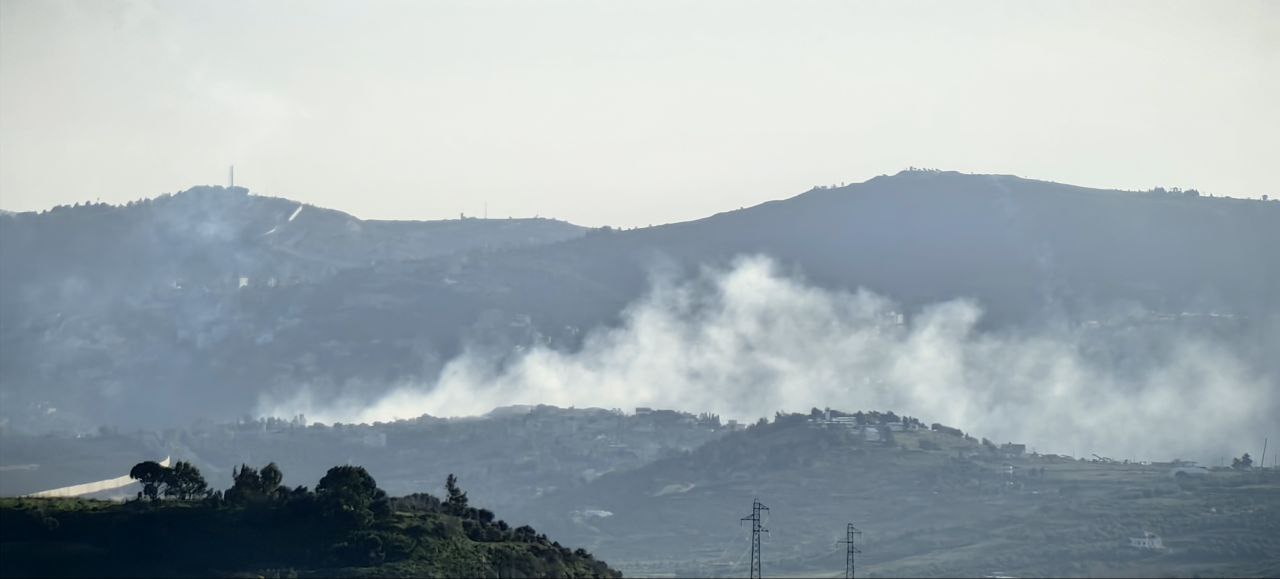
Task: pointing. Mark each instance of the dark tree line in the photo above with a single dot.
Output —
(346, 494)
(182, 481)
(257, 523)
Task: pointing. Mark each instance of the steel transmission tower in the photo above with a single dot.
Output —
(852, 534)
(756, 528)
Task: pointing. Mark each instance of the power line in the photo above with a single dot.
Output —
(852, 534)
(722, 560)
(741, 554)
(756, 528)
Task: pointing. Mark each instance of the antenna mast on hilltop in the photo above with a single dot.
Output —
(231, 180)
(756, 529)
(851, 535)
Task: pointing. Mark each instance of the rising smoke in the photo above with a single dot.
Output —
(747, 341)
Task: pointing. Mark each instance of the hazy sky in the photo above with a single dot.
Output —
(625, 113)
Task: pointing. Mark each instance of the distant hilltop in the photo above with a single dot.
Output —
(209, 235)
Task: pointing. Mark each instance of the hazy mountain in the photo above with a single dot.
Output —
(136, 312)
(1019, 246)
(84, 288)
(212, 237)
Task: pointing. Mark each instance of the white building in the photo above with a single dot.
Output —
(1148, 540)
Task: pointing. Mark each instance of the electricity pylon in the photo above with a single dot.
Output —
(756, 528)
(851, 537)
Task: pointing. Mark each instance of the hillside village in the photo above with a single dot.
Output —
(509, 453)
(531, 449)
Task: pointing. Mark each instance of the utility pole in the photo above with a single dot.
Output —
(852, 534)
(756, 529)
(231, 180)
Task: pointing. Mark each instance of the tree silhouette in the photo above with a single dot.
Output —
(271, 478)
(456, 501)
(151, 475)
(185, 482)
(349, 493)
(246, 486)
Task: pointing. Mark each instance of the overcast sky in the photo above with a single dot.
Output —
(625, 113)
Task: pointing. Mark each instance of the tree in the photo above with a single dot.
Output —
(246, 485)
(1242, 463)
(185, 482)
(350, 493)
(525, 534)
(151, 475)
(456, 501)
(271, 478)
(254, 485)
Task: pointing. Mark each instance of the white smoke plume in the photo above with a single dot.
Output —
(748, 341)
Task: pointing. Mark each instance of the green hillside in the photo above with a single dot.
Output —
(346, 527)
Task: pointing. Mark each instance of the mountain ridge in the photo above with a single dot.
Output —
(345, 316)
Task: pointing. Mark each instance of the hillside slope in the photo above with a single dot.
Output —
(99, 303)
(928, 504)
(661, 493)
(1018, 246)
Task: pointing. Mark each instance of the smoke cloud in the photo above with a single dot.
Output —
(748, 341)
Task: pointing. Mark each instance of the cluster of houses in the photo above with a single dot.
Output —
(1148, 540)
(1008, 449)
(880, 426)
(873, 426)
